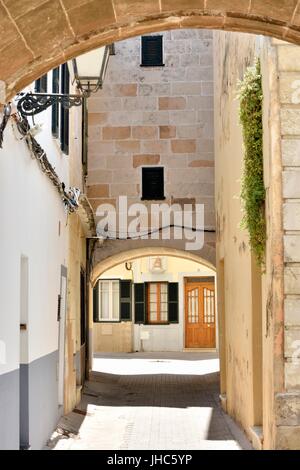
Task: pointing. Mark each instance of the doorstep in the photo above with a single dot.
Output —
(200, 350)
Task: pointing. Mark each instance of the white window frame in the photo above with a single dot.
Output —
(110, 317)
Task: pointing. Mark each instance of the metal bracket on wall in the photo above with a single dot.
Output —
(30, 104)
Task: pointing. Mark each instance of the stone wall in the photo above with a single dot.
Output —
(288, 403)
(155, 116)
(277, 319)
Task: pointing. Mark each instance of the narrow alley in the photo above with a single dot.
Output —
(150, 229)
(150, 401)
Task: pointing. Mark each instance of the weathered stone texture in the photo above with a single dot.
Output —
(292, 311)
(288, 409)
(69, 27)
(292, 375)
(156, 116)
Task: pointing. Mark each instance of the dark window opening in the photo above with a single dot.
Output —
(152, 51)
(55, 107)
(41, 84)
(64, 113)
(153, 183)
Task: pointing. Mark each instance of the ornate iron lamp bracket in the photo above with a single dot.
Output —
(30, 104)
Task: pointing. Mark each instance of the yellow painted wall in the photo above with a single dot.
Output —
(250, 303)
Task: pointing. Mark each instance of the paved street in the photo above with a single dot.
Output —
(150, 401)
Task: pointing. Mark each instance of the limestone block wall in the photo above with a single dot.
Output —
(289, 96)
(289, 88)
(155, 116)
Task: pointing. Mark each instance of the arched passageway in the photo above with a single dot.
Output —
(28, 49)
(36, 37)
(146, 251)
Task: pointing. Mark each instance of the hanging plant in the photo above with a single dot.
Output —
(252, 186)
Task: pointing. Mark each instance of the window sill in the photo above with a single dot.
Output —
(152, 65)
(154, 199)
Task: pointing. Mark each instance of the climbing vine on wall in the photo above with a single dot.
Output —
(252, 188)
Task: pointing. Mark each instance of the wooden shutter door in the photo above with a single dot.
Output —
(173, 302)
(139, 303)
(125, 300)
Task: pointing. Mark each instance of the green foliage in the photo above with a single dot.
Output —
(253, 190)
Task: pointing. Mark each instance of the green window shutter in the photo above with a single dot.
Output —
(96, 302)
(173, 302)
(125, 300)
(139, 303)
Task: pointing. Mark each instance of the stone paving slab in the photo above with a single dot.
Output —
(150, 401)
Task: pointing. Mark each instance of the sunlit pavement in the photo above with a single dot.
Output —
(150, 401)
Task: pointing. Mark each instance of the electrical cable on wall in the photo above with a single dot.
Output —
(150, 232)
(70, 198)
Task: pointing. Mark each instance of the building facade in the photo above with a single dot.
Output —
(151, 142)
(43, 249)
(153, 303)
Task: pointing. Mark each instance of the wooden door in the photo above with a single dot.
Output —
(200, 318)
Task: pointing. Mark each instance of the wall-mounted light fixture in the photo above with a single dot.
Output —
(87, 70)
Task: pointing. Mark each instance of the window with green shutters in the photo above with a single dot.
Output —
(140, 303)
(112, 300)
(144, 298)
(125, 300)
(173, 302)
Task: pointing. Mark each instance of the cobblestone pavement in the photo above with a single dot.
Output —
(150, 401)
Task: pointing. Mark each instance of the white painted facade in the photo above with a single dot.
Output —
(31, 211)
(33, 250)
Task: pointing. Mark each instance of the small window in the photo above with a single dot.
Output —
(152, 51)
(153, 183)
(41, 84)
(157, 302)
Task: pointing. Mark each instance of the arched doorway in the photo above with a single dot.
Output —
(169, 306)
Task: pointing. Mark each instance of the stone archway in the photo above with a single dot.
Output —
(131, 254)
(35, 37)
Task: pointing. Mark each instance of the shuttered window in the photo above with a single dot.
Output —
(41, 84)
(112, 300)
(156, 302)
(125, 300)
(55, 106)
(64, 113)
(152, 51)
(140, 303)
(173, 302)
(153, 183)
